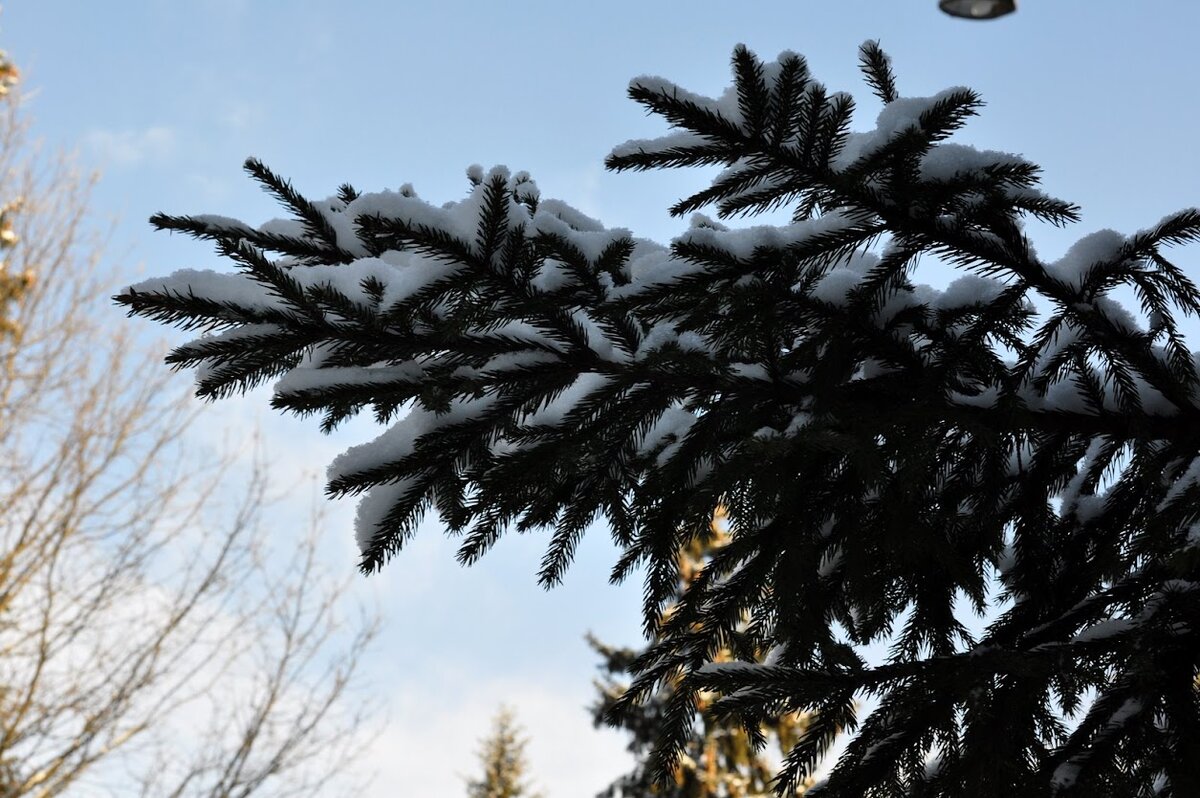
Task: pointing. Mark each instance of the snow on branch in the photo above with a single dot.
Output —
(880, 449)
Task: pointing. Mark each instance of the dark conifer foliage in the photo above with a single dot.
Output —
(888, 453)
(720, 760)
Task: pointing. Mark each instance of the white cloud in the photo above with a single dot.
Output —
(128, 147)
(210, 188)
(439, 706)
(242, 116)
(430, 742)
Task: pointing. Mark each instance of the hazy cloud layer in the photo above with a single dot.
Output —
(128, 147)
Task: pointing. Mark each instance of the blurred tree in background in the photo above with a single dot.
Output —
(502, 757)
(720, 759)
(12, 286)
(150, 642)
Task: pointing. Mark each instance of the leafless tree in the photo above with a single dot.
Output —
(153, 640)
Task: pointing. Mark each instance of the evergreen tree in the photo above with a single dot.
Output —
(721, 759)
(889, 453)
(503, 760)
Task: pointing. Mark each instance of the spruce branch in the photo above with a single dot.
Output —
(877, 69)
(882, 448)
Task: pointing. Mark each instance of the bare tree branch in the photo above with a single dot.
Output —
(148, 632)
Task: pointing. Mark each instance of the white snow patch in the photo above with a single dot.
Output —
(304, 378)
(232, 289)
(554, 412)
(1097, 247)
(970, 289)
(896, 117)
(675, 421)
(399, 440)
(373, 509)
(948, 159)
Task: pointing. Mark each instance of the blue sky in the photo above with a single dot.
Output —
(168, 98)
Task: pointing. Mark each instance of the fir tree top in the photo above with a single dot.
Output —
(887, 452)
(502, 758)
